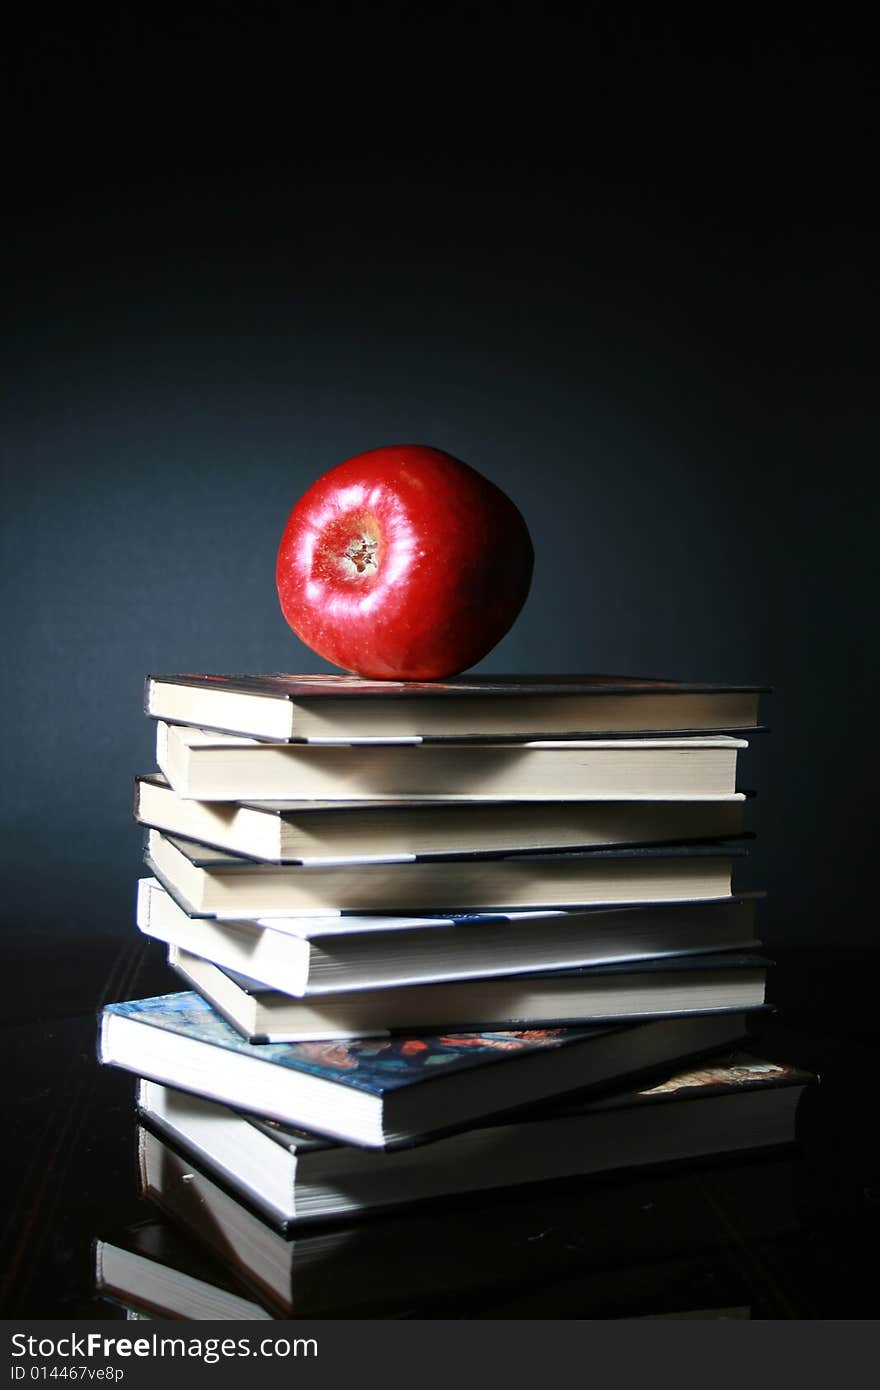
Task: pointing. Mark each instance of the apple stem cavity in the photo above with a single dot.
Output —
(360, 557)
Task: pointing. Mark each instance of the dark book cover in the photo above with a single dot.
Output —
(297, 811)
(656, 965)
(433, 913)
(728, 963)
(222, 861)
(284, 686)
(204, 857)
(516, 698)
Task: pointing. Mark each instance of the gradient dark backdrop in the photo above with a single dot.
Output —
(622, 269)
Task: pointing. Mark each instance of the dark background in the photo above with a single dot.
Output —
(623, 263)
(622, 260)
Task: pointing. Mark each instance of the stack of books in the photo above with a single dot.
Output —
(437, 939)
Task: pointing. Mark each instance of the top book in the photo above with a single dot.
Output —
(296, 708)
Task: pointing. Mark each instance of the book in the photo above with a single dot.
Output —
(225, 767)
(320, 955)
(735, 1102)
(210, 883)
(530, 1243)
(297, 707)
(383, 1092)
(549, 998)
(155, 1271)
(315, 832)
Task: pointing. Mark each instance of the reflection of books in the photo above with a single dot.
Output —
(627, 990)
(223, 767)
(208, 882)
(309, 832)
(531, 1247)
(303, 707)
(725, 1314)
(326, 955)
(734, 1103)
(665, 1285)
(387, 1091)
(155, 1271)
(331, 1271)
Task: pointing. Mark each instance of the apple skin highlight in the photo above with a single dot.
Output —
(403, 563)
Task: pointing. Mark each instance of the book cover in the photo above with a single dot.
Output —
(386, 1093)
(375, 1065)
(286, 686)
(656, 965)
(732, 1073)
(736, 1074)
(206, 857)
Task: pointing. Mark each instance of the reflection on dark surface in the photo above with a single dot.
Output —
(655, 1245)
(786, 1235)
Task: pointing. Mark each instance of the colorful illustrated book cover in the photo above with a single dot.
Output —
(738, 1074)
(374, 1065)
(731, 1074)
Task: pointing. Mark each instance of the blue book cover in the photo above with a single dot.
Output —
(390, 1091)
(375, 1065)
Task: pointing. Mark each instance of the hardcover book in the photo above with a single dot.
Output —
(320, 955)
(383, 1092)
(296, 707)
(327, 832)
(526, 1239)
(223, 767)
(626, 990)
(213, 883)
(735, 1102)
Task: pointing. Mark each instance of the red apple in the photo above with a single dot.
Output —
(403, 564)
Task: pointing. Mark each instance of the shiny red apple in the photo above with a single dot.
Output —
(403, 563)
